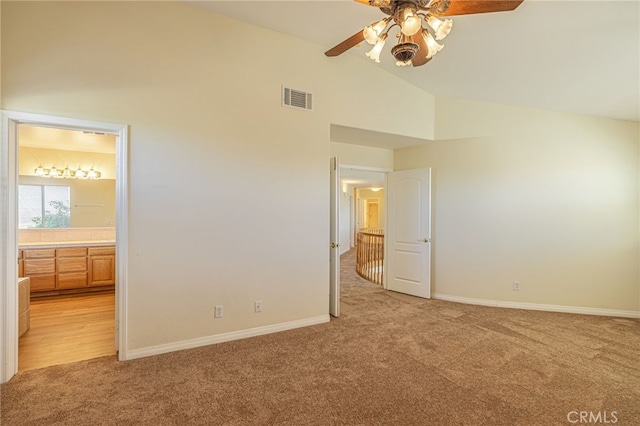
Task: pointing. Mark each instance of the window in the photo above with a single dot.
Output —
(44, 206)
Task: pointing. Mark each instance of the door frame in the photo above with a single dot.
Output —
(9, 122)
(355, 209)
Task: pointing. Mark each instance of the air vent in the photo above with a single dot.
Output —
(297, 99)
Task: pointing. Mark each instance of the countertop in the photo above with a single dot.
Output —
(56, 244)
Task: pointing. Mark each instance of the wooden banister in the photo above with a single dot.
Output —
(370, 254)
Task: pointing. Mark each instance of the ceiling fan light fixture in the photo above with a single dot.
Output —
(433, 46)
(410, 22)
(373, 31)
(374, 53)
(441, 28)
(405, 50)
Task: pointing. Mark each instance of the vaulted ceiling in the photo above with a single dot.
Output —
(573, 56)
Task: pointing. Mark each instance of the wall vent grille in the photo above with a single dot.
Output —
(297, 99)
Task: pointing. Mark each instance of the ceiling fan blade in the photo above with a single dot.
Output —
(339, 49)
(421, 54)
(469, 7)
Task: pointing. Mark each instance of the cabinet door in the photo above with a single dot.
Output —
(39, 253)
(72, 280)
(39, 266)
(43, 282)
(102, 270)
(72, 264)
(20, 264)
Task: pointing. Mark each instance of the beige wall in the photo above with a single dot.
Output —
(548, 199)
(201, 94)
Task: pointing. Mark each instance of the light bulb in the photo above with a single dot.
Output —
(433, 46)
(39, 171)
(66, 173)
(373, 31)
(411, 23)
(375, 52)
(440, 27)
(54, 172)
(80, 173)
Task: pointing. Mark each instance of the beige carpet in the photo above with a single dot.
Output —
(389, 359)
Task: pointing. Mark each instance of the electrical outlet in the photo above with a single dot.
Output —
(516, 286)
(258, 306)
(218, 311)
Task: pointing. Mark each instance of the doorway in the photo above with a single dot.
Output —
(9, 156)
(361, 205)
(372, 207)
(66, 245)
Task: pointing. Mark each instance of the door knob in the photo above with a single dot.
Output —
(426, 240)
(334, 245)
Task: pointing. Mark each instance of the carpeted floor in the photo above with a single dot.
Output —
(390, 359)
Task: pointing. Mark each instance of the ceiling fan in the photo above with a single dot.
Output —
(417, 43)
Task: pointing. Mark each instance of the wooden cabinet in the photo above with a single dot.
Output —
(64, 269)
(24, 305)
(102, 266)
(71, 265)
(20, 263)
(40, 266)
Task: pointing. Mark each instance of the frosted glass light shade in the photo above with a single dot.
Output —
(433, 46)
(441, 28)
(66, 173)
(411, 22)
(39, 171)
(373, 31)
(374, 53)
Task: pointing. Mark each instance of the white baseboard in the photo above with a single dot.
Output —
(539, 307)
(225, 337)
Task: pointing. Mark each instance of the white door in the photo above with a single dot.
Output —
(334, 238)
(408, 253)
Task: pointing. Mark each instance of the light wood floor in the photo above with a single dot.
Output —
(67, 329)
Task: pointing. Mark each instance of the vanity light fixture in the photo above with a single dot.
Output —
(67, 173)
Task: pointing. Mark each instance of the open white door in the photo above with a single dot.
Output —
(334, 238)
(408, 253)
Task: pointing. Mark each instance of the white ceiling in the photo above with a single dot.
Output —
(574, 56)
(66, 140)
(358, 178)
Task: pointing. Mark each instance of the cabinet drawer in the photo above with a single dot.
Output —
(100, 251)
(72, 280)
(39, 266)
(39, 253)
(42, 283)
(72, 264)
(71, 252)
